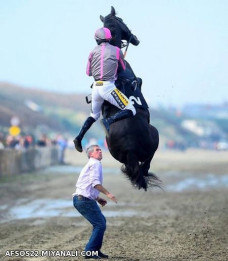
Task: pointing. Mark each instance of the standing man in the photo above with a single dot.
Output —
(85, 199)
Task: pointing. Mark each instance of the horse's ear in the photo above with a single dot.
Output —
(113, 11)
(102, 18)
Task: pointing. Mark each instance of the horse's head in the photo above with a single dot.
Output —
(119, 29)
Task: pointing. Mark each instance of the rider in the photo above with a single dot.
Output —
(103, 63)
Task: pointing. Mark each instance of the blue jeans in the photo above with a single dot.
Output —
(89, 209)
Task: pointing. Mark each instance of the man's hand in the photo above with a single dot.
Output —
(101, 201)
(112, 197)
(105, 191)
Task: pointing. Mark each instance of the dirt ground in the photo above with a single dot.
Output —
(186, 221)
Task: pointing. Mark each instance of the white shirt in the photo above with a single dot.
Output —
(90, 176)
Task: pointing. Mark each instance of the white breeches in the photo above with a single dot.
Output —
(106, 90)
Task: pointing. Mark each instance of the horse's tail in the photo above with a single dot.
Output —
(152, 180)
(138, 173)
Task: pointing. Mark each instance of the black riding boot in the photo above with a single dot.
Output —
(77, 141)
(120, 115)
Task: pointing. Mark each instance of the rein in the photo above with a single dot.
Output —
(128, 42)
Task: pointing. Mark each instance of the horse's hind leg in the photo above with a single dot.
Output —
(151, 179)
(145, 166)
(132, 169)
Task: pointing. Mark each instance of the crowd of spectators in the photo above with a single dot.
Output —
(23, 142)
(26, 141)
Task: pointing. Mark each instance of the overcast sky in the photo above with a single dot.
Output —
(182, 56)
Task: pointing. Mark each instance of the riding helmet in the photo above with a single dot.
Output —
(103, 35)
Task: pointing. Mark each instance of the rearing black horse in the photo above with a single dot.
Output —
(132, 141)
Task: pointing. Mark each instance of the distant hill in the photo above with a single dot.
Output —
(35, 108)
(42, 111)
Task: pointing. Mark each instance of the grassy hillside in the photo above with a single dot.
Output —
(54, 112)
(35, 108)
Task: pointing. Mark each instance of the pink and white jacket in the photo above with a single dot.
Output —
(104, 61)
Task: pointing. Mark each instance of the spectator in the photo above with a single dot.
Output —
(62, 143)
(42, 142)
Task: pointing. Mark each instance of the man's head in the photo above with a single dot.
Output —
(94, 151)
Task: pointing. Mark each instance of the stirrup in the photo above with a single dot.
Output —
(77, 144)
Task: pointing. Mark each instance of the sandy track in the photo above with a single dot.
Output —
(188, 225)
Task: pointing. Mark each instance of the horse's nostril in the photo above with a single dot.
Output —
(136, 43)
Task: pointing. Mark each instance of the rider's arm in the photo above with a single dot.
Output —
(121, 62)
(88, 68)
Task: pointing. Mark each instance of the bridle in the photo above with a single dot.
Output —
(125, 44)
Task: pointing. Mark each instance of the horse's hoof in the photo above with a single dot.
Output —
(105, 126)
(77, 145)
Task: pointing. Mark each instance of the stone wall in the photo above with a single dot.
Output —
(14, 162)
